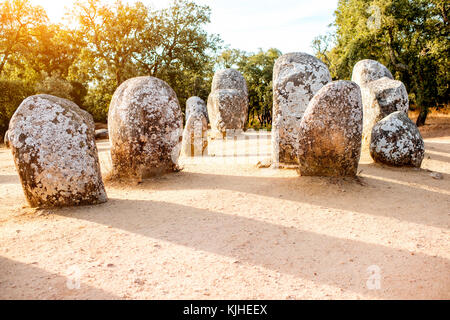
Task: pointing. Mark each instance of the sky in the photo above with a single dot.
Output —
(288, 25)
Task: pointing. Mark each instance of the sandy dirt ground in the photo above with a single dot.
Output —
(226, 228)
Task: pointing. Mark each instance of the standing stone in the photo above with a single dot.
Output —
(196, 104)
(6, 139)
(367, 70)
(195, 138)
(396, 141)
(296, 78)
(53, 145)
(330, 131)
(227, 102)
(380, 98)
(145, 127)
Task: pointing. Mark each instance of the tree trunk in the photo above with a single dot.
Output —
(422, 117)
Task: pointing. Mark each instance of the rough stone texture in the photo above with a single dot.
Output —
(396, 141)
(296, 79)
(6, 139)
(227, 102)
(381, 98)
(101, 134)
(330, 131)
(367, 70)
(145, 127)
(195, 136)
(53, 145)
(196, 104)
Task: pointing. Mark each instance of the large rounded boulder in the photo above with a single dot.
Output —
(367, 70)
(195, 136)
(381, 98)
(396, 141)
(227, 102)
(196, 105)
(296, 79)
(53, 144)
(145, 127)
(330, 131)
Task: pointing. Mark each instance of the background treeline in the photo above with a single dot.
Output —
(102, 44)
(410, 37)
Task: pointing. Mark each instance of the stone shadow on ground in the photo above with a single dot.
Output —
(308, 255)
(27, 281)
(334, 193)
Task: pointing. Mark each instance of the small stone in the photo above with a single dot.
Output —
(437, 175)
(396, 141)
(101, 134)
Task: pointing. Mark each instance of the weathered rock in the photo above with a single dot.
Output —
(53, 145)
(196, 104)
(380, 98)
(367, 70)
(296, 78)
(227, 102)
(195, 136)
(396, 141)
(145, 127)
(101, 134)
(330, 131)
(6, 139)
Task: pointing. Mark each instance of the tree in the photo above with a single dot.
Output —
(411, 37)
(127, 40)
(257, 70)
(19, 21)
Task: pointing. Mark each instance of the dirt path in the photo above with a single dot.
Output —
(224, 229)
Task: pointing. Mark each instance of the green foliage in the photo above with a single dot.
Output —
(411, 37)
(54, 85)
(13, 92)
(123, 40)
(20, 23)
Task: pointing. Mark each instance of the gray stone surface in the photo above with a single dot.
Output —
(367, 70)
(227, 102)
(53, 145)
(380, 98)
(330, 131)
(195, 104)
(396, 141)
(195, 136)
(145, 127)
(296, 79)
(6, 139)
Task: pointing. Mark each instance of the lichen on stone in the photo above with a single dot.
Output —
(53, 143)
(145, 127)
(227, 102)
(396, 141)
(296, 78)
(329, 142)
